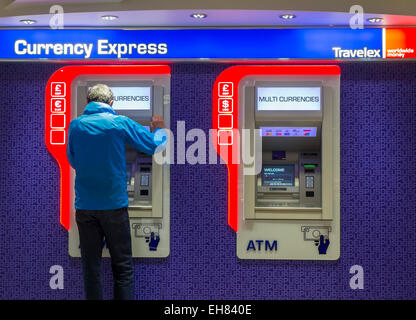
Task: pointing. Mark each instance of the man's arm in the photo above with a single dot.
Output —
(70, 150)
(140, 138)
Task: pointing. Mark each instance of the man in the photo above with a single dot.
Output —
(96, 150)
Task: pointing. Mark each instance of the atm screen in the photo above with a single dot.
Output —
(278, 175)
(288, 98)
(132, 98)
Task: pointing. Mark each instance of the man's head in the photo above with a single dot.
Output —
(100, 93)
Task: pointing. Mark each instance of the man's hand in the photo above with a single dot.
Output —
(157, 122)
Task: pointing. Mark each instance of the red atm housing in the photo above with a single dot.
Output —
(58, 117)
(225, 104)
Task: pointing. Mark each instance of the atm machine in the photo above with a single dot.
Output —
(290, 207)
(138, 97)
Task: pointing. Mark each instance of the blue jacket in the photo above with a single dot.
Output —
(96, 150)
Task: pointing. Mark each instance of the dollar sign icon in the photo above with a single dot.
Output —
(225, 105)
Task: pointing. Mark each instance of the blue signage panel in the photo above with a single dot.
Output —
(192, 44)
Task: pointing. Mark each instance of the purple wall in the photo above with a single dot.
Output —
(378, 199)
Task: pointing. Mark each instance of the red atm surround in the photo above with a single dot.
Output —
(226, 89)
(58, 117)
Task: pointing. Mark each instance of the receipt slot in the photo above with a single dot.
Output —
(139, 93)
(288, 206)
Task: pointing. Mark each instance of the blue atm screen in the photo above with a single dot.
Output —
(278, 175)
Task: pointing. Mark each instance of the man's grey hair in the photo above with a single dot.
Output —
(100, 93)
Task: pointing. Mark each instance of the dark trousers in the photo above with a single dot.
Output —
(112, 225)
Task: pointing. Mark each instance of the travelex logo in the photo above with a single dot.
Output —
(356, 53)
(86, 50)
